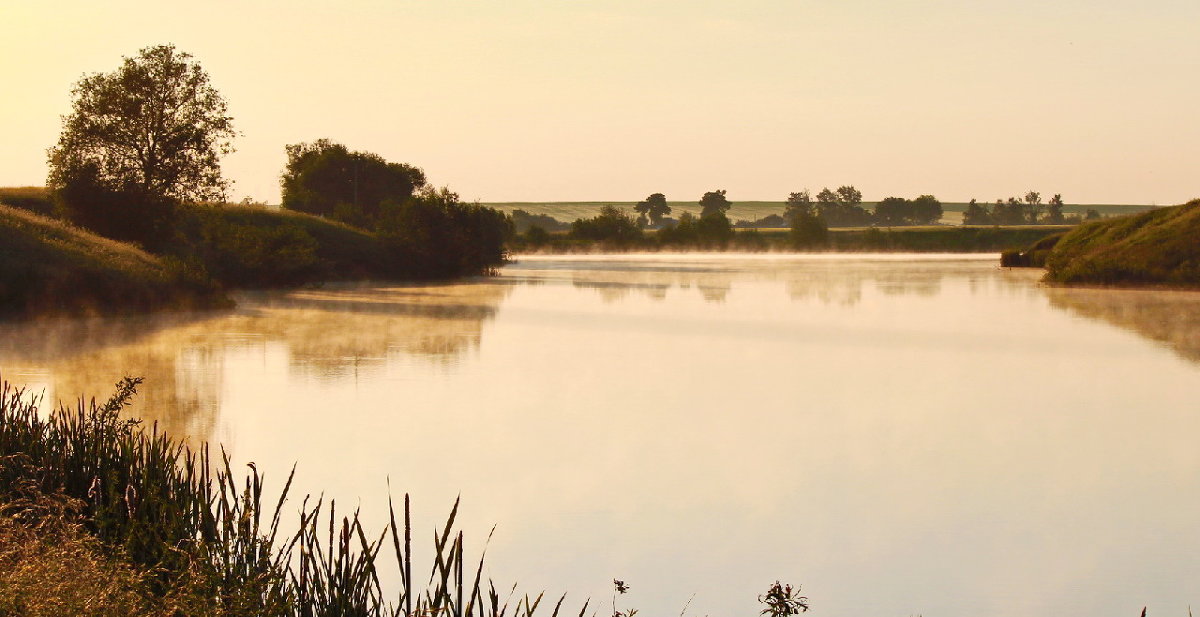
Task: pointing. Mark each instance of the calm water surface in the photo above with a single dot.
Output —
(901, 435)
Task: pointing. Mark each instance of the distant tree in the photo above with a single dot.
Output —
(892, 211)
(976, 214)
(849, 196)
(927, 210)
(523, 220)
(328, 179)
(808, 230)
(654, 208)
(1033, 207)
(1054, 211)
(612, 225)
(714, 202)
(1092, 215)
(1010, 212)
(799, 203)
(682, 232)
(536, 236)
(842, 208)
(714, 228)
(137, 142)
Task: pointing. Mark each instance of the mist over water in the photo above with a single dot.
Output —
(899, 434)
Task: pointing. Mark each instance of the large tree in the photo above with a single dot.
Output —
(713, 203)
(140, 139)
(328, 179)
(654, 208)
(798, 204)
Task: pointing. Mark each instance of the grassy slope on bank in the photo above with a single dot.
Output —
(254, 246)
(48, 267)
(1158, 247)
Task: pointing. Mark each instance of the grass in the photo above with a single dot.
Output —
(255, 246)
(49, 267)
(1152, 248)
(152, 527)
(33, 198)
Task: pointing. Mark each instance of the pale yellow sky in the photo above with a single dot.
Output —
(521, 100)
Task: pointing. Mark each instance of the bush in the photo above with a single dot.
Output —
(433, 235)
(611, 226)
(808, 231)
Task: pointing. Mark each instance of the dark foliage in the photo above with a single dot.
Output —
(612, 226)
(137, 142)
(523, 220)
(714, 202)
(433, 235)
(327, 179)
(654, 208)
(808, 231)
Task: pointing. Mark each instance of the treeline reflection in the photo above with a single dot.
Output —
(824, 281)
(325, 333)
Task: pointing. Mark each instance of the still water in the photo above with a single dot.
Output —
(901, 435)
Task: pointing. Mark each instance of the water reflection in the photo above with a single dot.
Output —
(325, 334)
(1168, 317)
(829, 281)
(900, 435)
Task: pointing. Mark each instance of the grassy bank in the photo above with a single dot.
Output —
(49, 267)
(1161, 247)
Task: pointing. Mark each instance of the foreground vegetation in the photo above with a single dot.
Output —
(102, 516)
(146, 525)
(1159, 247)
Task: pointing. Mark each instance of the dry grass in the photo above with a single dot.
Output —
(51, 566)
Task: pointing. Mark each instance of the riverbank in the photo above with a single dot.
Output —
(49, 267)
(1157, 248)
(923, 239)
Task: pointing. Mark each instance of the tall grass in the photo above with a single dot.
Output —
(208, 543)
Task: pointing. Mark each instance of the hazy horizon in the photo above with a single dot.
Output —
(556, 102)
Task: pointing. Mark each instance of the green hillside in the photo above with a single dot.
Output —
(1158, 247)
(48, 267)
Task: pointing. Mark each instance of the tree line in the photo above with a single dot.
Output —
(1028, 210)
(138, 160)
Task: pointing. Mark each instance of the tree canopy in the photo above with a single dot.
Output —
(654, 208)
(139, 139)
(328, 179)
(714, 202)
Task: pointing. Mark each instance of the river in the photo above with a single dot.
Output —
(901, 435)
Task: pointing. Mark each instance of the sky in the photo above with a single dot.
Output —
(574, 100)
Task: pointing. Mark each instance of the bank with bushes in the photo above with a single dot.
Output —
(1159, 247)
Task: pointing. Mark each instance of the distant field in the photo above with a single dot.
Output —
(567, 211)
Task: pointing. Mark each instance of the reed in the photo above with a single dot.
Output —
(204, 541)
